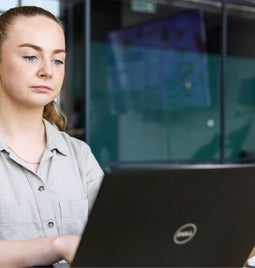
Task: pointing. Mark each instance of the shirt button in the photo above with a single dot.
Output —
(51, 224)
(41, 188)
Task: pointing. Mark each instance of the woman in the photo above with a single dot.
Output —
(48, 180)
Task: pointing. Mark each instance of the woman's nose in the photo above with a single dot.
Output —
(45, 69)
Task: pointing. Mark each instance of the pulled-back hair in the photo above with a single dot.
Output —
(51, 112)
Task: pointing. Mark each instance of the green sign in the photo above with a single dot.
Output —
(143, 6)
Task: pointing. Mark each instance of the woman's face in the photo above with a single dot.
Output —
(33, 62)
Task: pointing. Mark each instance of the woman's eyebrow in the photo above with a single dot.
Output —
(37, 48)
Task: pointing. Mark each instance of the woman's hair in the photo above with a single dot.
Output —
(51, 112)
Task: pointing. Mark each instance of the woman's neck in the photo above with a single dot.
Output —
(27, 140)
(24, 132)
(19, 121)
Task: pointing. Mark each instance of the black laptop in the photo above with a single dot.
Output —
(185, 216)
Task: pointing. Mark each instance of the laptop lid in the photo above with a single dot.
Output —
(172, 217)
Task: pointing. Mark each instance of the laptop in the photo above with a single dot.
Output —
(184, 216)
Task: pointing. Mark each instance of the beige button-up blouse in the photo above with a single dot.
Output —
(54, 201)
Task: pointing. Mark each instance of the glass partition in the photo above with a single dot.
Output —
(155, 81)
(240, 82)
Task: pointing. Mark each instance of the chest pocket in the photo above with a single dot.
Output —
(74, 216)
(16, 222)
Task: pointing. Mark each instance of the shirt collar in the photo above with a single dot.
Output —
(3, 145)
(55, 139)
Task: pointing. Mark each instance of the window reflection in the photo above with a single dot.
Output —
(160, 85)
(159, 66)
(240, 84)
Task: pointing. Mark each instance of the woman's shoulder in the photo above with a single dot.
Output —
(74, 141)
(63, 139)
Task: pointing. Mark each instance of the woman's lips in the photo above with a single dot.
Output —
(42, 89)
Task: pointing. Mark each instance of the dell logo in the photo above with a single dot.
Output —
(185, 233)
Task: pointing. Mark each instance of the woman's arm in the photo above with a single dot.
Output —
(41, 251)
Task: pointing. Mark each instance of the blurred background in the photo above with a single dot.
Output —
(159, 81)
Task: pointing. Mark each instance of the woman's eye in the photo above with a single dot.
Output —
(58, 62)
(30, 58)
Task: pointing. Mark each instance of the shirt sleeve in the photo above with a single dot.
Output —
(94, 176)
